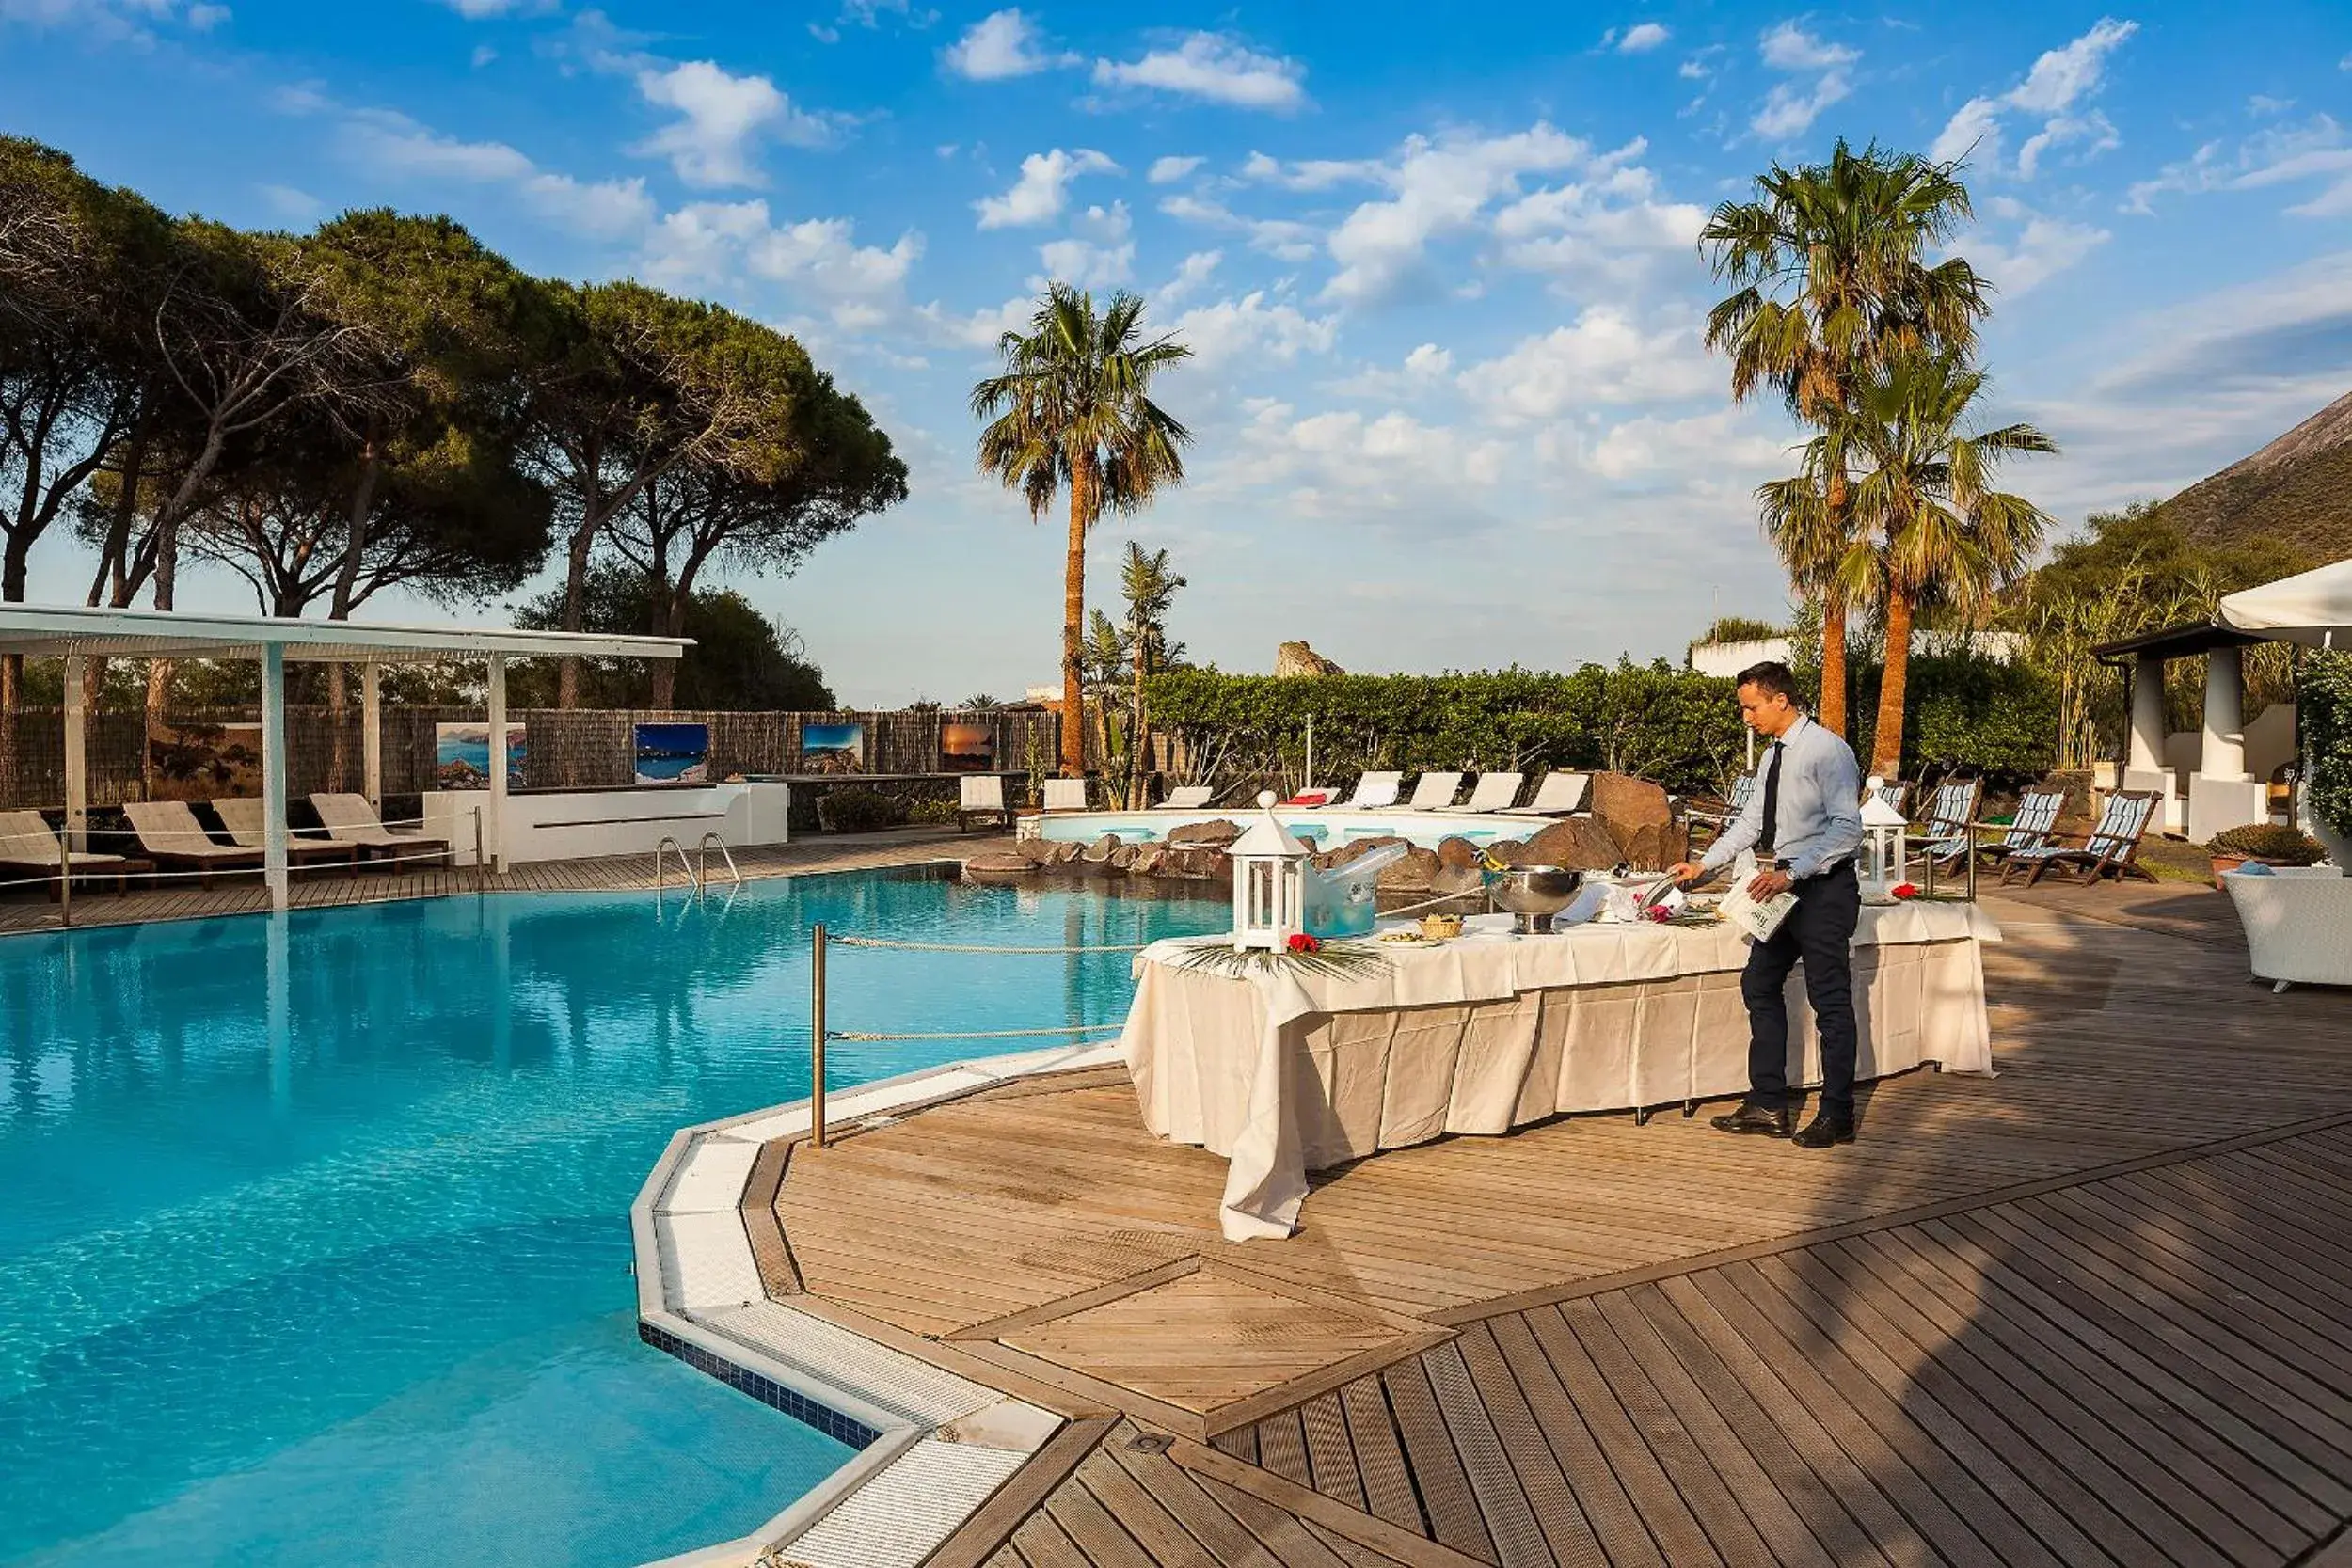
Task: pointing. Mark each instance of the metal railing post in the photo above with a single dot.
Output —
(65, 879)
(817, 1035)
(477, 848)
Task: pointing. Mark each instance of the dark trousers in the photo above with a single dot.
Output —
(1817, 931)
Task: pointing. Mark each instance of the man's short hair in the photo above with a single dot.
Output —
(1772, 678)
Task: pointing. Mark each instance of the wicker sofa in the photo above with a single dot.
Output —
(2299, 924)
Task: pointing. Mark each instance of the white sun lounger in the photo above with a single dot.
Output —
(26, 845)
(983, 796)
(1495, 791)
(1561, 794)
(1189, 797)
(1065, 795)
(1433, 791)
(1372, 791)
(170, 836)
(248, 825)
(349, 819)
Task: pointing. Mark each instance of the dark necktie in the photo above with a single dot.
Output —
(1771, 835)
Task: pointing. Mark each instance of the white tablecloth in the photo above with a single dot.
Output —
(1284, 1072)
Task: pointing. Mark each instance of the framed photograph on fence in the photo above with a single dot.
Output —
(461, 755)
(197, 762)
(671, 753)
(833, 748)
(968, 748)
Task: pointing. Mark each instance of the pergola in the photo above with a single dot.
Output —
(77, 634)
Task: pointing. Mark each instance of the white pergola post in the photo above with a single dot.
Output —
(372, 734)
(2147, 752)
(2224, 755)
(497, 763)
(76, 755)
(274, 772)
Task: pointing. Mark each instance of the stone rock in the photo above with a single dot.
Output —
(1195, 863)
(1102, 849)
(2076, 813)
(1297, 659)
(1410, 874)
(1626, 803)
(1459, 879)
(1512, 851)
(1355, 849)
(1217, 834)
(1038, 852)
(1577, 843)
(1148, 861)
(1648, 848)
(1065, 852)
(1123, 858)
(1000, 862)
(1456, 853)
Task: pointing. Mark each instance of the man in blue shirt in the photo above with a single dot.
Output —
(1805, 823)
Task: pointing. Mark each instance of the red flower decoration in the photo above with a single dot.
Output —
(1905, 890)
(1658, 912)
(1302, 942)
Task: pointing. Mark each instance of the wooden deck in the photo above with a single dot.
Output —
(23, 909)
(2091, 1312)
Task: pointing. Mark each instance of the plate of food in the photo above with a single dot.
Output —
(1405, 936)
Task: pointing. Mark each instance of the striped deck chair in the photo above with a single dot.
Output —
(1743, 791)
(2030, 828)
(2111, 849)
(1950, 830)
(1893, 791)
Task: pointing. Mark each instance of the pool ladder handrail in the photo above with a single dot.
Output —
(693, 878)
(702, 861)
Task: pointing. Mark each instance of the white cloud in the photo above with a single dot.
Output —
(1356, 467)
(1002, 45)
(291, 204)
(1650, 445)
(1612, 226)
(483, 10)
(1601, 357)
(2317, 149)
(111, 20)
(1310, 174)
(1252, 331)
(1436, 187)
(1167, 170)
(721, 117)
(2060, 80)
(393, 144)
(1043, 188)
(1641, 38)
(2044, 247)
(1212, 66)
(1285, 239)
(817, 262)
(1191, 273)
(1791, 107)
(1427, 369)
(1098, 255)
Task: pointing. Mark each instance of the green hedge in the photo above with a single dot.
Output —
(1962, 710)
(1677, 727)
(2325, 689)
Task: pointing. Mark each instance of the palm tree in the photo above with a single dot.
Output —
(1833, 282)
(1073, 408)
(1929, 530)
(1150, 588)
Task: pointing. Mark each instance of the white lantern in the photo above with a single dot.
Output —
(1268, 883)
(1883, 842)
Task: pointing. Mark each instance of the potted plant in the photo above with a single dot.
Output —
(2270, 843)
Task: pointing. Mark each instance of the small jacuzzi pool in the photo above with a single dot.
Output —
(1325, 826)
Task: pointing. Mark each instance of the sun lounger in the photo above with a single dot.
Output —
(983, 797)
(27, 847)
(1559, 794)
(2037, 815)
(1896, 794)
(1743, 791)
(248, 826)
(1189, 797)
(1495, 791)
(1433, 791)
(349, 819)
(1950, 830)
(1065, 795)
(1373, 791)
(2110, 848)
(170, 836)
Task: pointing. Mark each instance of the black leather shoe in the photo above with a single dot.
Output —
(1766, 1120)
(1826, 1129)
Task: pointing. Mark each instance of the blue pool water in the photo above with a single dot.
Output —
(315, 1243)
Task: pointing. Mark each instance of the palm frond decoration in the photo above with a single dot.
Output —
(1332, 960)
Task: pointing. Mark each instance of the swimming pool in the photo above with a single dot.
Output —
(316, 1246)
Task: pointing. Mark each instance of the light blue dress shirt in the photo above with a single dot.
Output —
(1821, 810)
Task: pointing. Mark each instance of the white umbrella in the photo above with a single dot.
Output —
(2313, 607)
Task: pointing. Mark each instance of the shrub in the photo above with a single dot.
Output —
(934, 811)
(2268, 841)
(1969, 712)
(2324, 688)
(859, 811)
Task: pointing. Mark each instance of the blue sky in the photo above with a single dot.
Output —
(1451, 408)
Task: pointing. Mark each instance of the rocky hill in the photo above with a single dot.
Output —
(2298, 489)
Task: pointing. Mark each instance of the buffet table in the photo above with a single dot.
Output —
(1284, 1072)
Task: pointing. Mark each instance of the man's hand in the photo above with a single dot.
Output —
(1686, 873)
(1769, 884)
